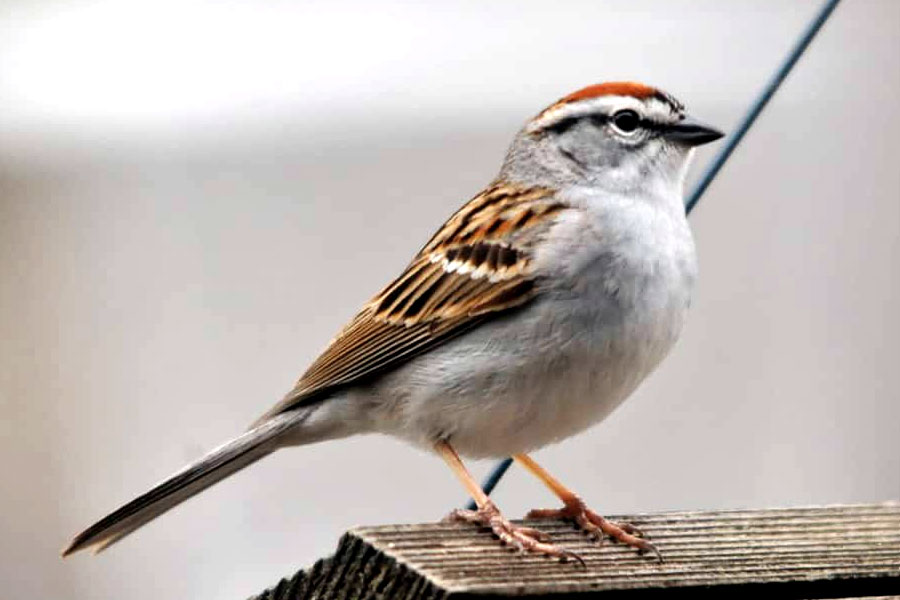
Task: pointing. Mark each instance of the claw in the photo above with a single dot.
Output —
(567, 554)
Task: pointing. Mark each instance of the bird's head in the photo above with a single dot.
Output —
(619, 136)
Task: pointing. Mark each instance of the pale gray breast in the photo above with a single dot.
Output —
(620, 260)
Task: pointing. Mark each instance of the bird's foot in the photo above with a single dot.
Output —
(596, 526)
(524, 539)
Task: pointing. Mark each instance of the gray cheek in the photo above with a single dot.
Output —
(587, 148)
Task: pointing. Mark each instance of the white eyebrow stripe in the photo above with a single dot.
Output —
(649, 108)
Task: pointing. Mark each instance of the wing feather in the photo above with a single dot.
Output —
(476, 266)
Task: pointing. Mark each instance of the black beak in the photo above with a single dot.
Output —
(691, 132)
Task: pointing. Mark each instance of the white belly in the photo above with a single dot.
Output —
(508, 389)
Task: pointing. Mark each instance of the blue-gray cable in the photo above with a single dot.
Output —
(712, 169)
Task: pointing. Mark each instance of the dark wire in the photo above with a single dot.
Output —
(718, 161)
(760, 103)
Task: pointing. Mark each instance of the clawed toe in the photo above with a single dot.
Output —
(597, 527)
(524, 539)
(537, 534)
(462, 515)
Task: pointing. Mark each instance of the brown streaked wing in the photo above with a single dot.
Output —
(476, 266)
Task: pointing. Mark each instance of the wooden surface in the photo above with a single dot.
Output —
(824, 552)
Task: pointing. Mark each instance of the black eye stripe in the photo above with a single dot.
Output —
(642, 123)
(564, 125)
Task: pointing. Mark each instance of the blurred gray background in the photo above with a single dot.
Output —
(195, 196)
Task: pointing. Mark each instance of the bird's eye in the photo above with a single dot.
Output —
(626, 121)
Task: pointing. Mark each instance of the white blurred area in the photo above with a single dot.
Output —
(195, 196)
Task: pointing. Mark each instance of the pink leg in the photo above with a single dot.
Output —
(575, 509)
(525, 539)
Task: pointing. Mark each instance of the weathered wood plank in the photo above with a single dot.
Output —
(819, 552)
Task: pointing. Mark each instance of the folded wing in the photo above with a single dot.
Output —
(477, 266)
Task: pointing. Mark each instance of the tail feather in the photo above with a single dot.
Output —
(215, 466)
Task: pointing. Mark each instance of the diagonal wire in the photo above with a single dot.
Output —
(712, 169)
(760, 102)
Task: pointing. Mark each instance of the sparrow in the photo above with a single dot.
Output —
(532, 313)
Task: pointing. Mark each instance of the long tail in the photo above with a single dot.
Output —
(215, 466)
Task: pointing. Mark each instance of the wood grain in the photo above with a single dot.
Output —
(818, 552)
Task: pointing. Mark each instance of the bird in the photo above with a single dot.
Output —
(532, 313)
